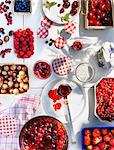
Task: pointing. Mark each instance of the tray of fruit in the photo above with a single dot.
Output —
(61, 11)
(14, 79)
(104, 99)
(98, 138)
(99, 14)
(22, 7)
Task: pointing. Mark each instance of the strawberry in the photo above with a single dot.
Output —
(112, 131)
(104, 131)
(90, 147)
(87, 132)
(57, 106)
(106, 138)
(96, 148)
(97, 140)
(102, 146)
(87, 140)
(96, 133)
(111, 148)
(111, 142)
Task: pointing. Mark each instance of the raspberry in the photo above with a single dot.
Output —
(57, 106)
(24, 41)
(21, 53)
(54, 95)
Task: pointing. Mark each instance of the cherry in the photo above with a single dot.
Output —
(91, 22)
(103, 15)
(73, 12)
(62, 10)
(66, 4)
(93, 10)
(75, 4)
(98, 11)
(91, 15)
(95, 2)
(102, 7)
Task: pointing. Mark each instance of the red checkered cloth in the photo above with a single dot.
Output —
(62, 65)
(69, 27)
(42, 32)
(59, 42)
(8, 125)
(46, 23)
(24, 109)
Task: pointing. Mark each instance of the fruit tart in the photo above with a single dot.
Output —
(43, 133)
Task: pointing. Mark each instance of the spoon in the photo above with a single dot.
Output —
(64, 91)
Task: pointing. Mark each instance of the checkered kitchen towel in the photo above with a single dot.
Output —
(13, 119)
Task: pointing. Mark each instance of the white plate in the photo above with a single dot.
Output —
(54, 15)
(76, 99)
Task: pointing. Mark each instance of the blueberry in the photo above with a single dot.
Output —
(50, 44)
(46, 42)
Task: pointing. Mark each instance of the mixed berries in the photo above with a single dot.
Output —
(98, 139)
(105, 99)
(24, 43)
(13, 79)
(44, 133)
(42, 70)
(100, 13)
(77, 46)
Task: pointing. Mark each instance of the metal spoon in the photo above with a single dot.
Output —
(64, 91)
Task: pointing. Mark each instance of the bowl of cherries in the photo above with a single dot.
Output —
(104, 99)
(99, 14)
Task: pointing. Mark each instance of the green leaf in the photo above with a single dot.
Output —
(48, 4)
(66, 17)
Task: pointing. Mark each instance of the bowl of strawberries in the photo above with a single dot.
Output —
(104, 99)
(98, 138)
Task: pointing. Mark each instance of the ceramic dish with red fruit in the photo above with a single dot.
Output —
(61, 11)
(104, 99)
(14, 79)
(43, 133)
(42, 69)
(99, 14)
(98, 138)
(56, 104)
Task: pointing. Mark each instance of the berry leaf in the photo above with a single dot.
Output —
(48, 4)
(66, 17)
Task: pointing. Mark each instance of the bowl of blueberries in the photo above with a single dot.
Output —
(22, 6)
